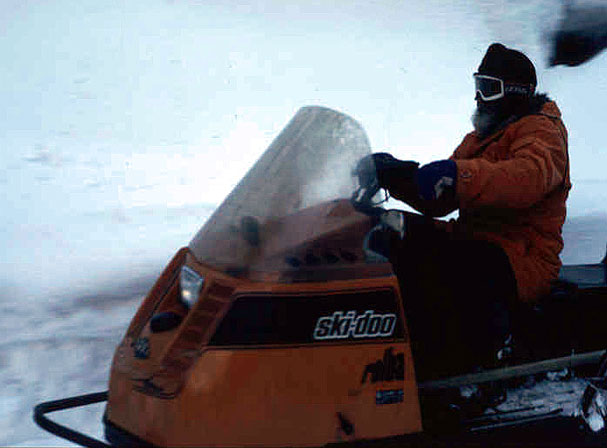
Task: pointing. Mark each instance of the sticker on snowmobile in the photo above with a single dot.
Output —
(305, 318)
(344, 325)
(390, 368)
(389, 396)
(141, 348)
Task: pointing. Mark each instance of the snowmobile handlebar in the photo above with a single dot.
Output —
(362, 200)
(379, 171)
(379, 240)
(368, 186)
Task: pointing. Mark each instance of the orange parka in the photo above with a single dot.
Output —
(511, 189)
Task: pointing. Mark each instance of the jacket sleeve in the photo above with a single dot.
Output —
(408, 193)
(537, 166)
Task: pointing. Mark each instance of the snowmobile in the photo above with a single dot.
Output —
(282, 323)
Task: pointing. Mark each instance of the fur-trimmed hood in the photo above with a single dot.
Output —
(516, 112)
(536, 103)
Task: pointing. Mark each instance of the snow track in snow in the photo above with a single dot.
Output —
(53, 357)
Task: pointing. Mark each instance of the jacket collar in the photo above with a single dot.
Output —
(541, 104)
(550, 110)
(482, 144)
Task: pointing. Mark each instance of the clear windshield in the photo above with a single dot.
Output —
(291, 212)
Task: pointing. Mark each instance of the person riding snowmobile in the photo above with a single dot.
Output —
(509, 178)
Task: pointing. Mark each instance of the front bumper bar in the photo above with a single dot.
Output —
(72, 435)
(114, 434)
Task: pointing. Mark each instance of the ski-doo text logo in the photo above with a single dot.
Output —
(344, 325)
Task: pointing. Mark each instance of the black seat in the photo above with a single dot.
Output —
(575, 282)
(585, 276)
(566, 318)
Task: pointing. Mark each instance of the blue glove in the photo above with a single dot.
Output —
(435, 178)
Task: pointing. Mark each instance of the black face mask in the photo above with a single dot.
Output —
(488, 116)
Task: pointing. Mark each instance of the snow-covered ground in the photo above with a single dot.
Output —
(124, 124)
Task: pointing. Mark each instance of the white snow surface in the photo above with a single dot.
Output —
(124, 124)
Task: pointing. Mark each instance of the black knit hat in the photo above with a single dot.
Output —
(507, 64)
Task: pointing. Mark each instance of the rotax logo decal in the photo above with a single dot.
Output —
(349, 324)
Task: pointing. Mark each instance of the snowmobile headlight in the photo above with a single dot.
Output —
(191, 284)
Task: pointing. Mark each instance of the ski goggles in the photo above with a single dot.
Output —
(490, 88)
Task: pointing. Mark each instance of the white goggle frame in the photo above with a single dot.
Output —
(526, 89)
(494, 97)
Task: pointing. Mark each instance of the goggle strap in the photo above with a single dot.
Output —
(518, 89)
